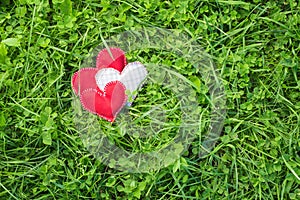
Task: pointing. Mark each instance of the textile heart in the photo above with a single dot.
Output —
(131, 76)
(107, 103)
(84, 79)
(112, 58)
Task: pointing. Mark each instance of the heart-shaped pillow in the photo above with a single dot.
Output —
(107, 103)
(111, 58)
(84, 79)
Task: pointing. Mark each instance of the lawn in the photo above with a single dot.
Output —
(255, 46)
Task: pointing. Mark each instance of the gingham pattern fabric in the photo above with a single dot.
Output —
(106, 75)
(131, 76)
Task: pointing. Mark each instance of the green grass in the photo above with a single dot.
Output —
(256, 47)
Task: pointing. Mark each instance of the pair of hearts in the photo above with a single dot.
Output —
(102, 90)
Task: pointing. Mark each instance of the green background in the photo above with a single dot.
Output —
(256, 48)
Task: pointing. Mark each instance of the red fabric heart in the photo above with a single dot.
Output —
(84, 79)
(114, 59)
(108, 103)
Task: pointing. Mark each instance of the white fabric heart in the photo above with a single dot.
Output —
(131, 76)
